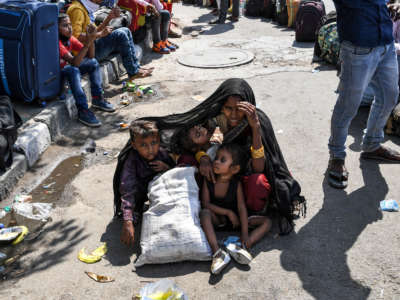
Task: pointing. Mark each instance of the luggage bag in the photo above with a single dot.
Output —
(309, 20)
(29, 55)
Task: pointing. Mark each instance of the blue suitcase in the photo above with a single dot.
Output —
(29, 55)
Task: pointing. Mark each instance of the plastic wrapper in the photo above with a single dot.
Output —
(35, 211)
(163, 289)
(389, 205)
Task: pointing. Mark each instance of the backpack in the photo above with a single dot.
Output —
(254, 8)
(308, 20)
(124, 20)
(269, 9)
(9, 122)
(282, 16)
(328, 41)
(327, 19)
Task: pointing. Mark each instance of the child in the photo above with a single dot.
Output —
(224, 203)
(199, 140)
(144, 161)
(72, 66)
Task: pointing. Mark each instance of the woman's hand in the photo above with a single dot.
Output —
(159, 166)
(245, 240)
(206, 168)
(250, 112)
(128, 233)
(234, 219)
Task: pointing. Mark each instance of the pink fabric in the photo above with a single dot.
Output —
(156, 3)
(396, 35)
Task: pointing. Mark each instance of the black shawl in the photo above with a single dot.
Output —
(285, 190)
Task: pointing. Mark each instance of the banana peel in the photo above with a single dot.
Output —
(21, 236)
(93, 257)
(99, 278)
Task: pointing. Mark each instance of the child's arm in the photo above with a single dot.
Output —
(244, 222)
(86, 49)
(205, 200)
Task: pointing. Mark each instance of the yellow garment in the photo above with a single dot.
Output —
(79, 18)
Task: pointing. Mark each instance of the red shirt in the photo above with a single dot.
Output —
(74, 46)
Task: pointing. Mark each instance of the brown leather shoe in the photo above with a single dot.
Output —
(383, 154)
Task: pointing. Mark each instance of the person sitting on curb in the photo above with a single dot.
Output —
(72, 66)
(107, 40)
(160, 20)
(138, 163)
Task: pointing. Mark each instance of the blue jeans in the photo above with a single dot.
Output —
(361, 66)
(160, 26)
(369, 94)
(120, 41)
(73, 75)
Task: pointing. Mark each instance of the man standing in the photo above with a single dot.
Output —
(367, 54)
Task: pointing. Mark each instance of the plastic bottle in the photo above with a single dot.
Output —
(242, 7)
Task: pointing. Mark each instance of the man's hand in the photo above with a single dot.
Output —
(91, 33)
(206, 169)
(152, 10)
(128, 233)
(114, 13)
(159, 166)
(106, 31)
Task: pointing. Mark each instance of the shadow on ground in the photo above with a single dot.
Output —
(318, 251)
(49, 238)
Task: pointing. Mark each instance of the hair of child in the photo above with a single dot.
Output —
(183, 141)
(143, 129)
(61, 17)
(239, 156)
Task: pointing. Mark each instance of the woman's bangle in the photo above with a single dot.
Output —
(199, 155)
(257, 153)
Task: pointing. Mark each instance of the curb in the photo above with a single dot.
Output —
(37, 134)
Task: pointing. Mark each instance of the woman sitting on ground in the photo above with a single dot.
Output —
(232, 105)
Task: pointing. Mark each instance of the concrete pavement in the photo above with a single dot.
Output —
(345, 248)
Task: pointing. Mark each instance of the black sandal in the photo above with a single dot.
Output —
(337, 180)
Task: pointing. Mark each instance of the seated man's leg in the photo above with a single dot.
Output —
(92, 67)
(120, 40)
(165, 21)
(73, 75)
(158, 45)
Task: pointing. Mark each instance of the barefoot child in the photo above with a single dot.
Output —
(144, 160)
(223, 203)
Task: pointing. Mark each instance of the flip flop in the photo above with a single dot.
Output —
(338, 180)
(140, 75)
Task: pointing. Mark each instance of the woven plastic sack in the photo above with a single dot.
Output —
(171, 229)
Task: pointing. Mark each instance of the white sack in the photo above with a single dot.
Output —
(171, 229)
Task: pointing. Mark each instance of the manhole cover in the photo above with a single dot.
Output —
(217, 58)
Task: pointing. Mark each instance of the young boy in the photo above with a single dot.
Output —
(76, 59)
(144, 161)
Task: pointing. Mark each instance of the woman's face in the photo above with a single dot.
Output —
(232, 112)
